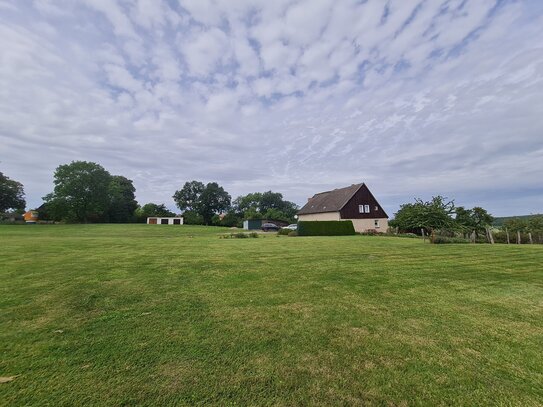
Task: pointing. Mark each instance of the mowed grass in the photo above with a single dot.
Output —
(99, 315)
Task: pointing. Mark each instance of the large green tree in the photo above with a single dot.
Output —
(204, 200)
(122, 200)
(476, 219)
(432, 215)
(188, 197)
(12, 194)
(270, 205)
(213, 199)
(81, 192)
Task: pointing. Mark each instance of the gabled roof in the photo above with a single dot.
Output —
(330, 201)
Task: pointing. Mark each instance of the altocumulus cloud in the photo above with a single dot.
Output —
(413, 97)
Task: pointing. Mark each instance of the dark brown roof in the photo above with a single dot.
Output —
(329, 201)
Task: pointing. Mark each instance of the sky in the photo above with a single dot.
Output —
(413, 97)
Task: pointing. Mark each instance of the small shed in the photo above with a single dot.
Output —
(252, 224)
(157, 220)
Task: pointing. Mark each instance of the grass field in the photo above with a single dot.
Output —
(101, 315)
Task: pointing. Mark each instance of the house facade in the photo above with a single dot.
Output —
(355, 203)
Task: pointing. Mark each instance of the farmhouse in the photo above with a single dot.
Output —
(157, 220)
(355, 203)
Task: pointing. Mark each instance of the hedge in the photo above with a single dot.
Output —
(326, 228)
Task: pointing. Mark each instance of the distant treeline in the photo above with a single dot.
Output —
(85, 192)
(500, 221)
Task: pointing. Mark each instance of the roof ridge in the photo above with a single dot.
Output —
(337, 189)
(351, 196)
(331, 201)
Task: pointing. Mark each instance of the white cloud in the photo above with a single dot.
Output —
(291, 96)
(122, 26)
(204, 50)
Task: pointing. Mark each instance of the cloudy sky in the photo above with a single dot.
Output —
(413, 97)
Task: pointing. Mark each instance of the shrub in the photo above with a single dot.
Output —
(283, 232)
(447, 239)
(239, 235)
(408, 235)
(370, 232)
(293, 233)
(326, 228)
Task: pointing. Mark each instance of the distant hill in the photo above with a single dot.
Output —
(500, 221)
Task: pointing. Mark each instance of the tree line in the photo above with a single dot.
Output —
(85, 192)
(440, 216)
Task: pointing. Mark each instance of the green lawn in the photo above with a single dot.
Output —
(101, 315)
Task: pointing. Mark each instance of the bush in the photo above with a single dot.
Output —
(239, 235)
(370, 232)
(284, 232)
(408, 235)
(293, 233)
(447, 239)
(326, 228)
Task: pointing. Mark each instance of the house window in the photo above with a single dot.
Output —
(367, 208)
(376, 223)
(361, 208)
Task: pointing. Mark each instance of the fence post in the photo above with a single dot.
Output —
(490, 237)
(507, 234)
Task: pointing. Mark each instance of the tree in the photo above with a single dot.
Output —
(269, 205)
(122, 200)
(249, 202)
(476, 219)
(515, 224)
(192, 218)
(271, 200)
(213, 199)
(535, 226)
(188, 196)
(204, 200)
(12, 194)
(152, 209)
(429, 215)
(81, 192)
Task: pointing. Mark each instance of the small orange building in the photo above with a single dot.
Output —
(31, 216)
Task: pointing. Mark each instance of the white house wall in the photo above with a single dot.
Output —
(320, 216)
(361, 225)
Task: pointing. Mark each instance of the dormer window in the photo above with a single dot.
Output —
(367, 208)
